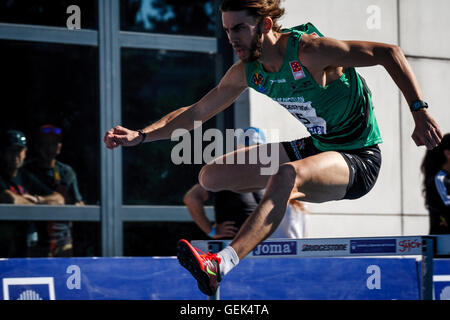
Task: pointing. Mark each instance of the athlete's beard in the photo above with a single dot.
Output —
(255, 46)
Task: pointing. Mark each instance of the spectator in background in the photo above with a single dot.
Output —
(436, 186)
(18, 186)
(232, 209)
(293, 224)
(59, 177)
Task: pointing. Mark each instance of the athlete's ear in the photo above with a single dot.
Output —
(267, 24)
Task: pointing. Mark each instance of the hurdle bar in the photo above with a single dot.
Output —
(428, 247)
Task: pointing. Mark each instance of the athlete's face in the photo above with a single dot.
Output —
(244, 34)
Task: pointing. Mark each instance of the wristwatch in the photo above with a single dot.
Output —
(418, 105)
(143, 135)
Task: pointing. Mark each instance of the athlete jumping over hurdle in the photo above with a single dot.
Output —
(314, 77)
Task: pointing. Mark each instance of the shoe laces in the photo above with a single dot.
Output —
(208, 256)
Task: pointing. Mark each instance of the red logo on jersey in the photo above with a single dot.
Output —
(297, 70)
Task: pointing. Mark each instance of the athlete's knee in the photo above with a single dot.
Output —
(285, 177)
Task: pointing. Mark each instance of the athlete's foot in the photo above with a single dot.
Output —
(204, 267)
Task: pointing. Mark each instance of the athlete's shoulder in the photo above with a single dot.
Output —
(308, 49)
(306, 28)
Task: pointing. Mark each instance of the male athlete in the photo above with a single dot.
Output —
(314, 78)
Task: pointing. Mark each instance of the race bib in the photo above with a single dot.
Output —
(306, 114)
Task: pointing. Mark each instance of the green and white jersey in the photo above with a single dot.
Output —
(338, 116)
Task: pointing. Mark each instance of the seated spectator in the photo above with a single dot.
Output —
(58, 177)
(20, 187)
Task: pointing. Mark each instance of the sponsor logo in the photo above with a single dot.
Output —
(408, 245)
(324, 247)
(300, 144)
(257, 80)
(210, 271)
(276, 248)
(28, 288)
(441, 284)
(373, 246)
(297, 70)
(278, 81)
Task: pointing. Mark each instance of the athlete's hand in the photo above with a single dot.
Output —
(427, 132)
(120, 136)
(225, 230)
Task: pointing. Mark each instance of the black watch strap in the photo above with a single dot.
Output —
(143, 135)
(418, 105)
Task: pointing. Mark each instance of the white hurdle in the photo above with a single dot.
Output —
(426, 247)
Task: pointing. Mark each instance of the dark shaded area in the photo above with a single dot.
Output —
(157, 238)
(41, 86)
(154, 84)
(48, 12)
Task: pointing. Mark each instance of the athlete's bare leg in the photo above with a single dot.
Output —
(319, 178)
(242, 177)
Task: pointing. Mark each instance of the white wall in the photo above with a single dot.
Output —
(395, 206)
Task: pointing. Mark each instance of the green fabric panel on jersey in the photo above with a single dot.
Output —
(338, 116)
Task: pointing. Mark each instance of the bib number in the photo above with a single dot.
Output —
(307, 115)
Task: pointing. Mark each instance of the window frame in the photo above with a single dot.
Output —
(109, 39)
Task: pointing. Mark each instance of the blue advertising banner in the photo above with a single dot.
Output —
(323, 279)
(373, 246)
(96, 279)
(441, 279)
(153, 278)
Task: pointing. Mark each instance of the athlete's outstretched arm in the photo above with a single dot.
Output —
(328, 53)
(215, 101)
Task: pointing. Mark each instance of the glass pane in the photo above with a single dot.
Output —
(86, 239)
(194, 17)
(157, 238)
(154, 83)
(20, 239)
(49, 84)
(48, 12)
(41, 86)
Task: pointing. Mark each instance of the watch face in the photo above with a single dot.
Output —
(419, 105)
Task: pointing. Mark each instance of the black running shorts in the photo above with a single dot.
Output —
(364, 164)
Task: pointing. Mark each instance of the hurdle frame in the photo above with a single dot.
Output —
(426, 247)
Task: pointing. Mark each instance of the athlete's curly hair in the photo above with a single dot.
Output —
(257, 9)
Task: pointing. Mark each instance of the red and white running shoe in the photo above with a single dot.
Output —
(204, 267)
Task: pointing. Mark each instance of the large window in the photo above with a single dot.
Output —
(41, 86)
(194, 17)
(154, 83)
(131, 63)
